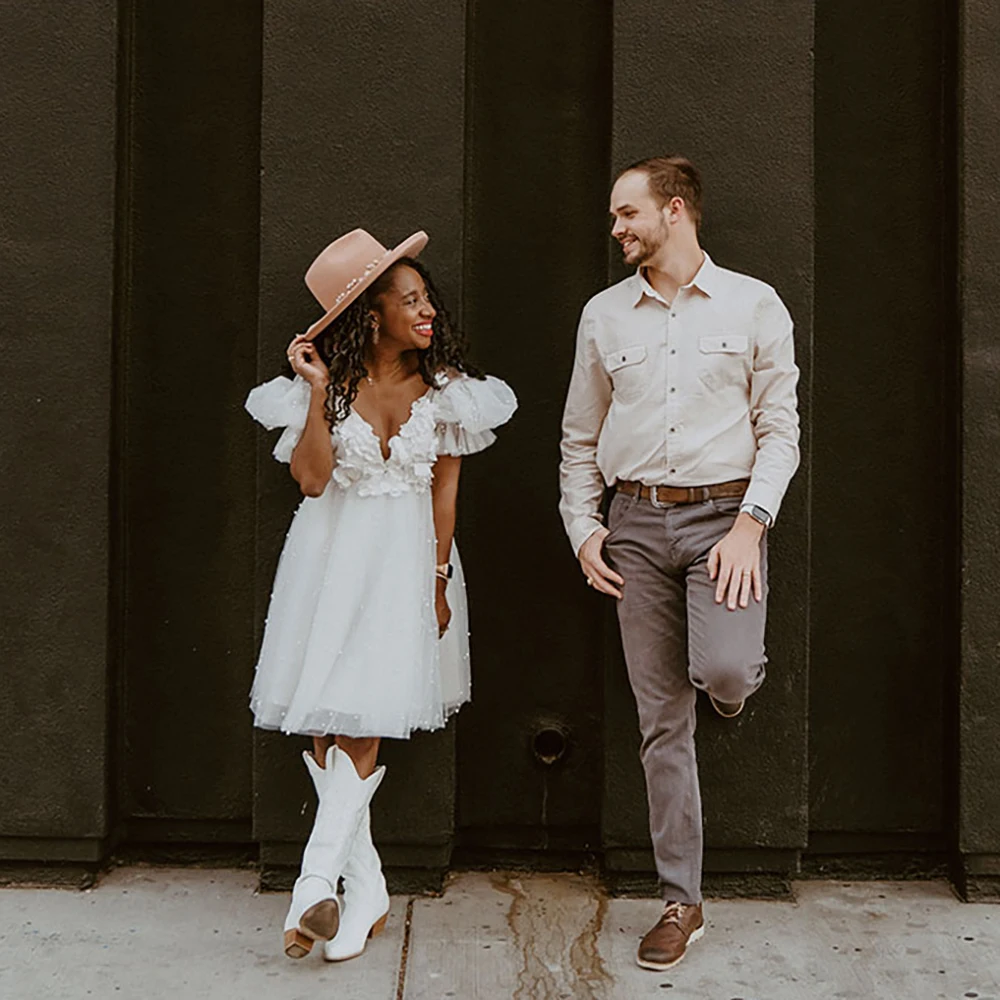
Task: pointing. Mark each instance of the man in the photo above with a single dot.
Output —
(683, 399)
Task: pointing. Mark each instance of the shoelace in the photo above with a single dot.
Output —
(673, 913)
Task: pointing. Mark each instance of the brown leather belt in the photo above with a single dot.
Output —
(683, 494)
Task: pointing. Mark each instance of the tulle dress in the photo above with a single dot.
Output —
(351, 639)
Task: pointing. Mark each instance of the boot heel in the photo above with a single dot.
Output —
(297, 944)
(378, 926)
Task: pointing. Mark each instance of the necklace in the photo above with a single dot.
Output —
(387, 376)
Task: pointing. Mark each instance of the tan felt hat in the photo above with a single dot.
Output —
(348, 266)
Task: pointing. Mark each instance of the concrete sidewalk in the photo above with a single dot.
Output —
(186, 934)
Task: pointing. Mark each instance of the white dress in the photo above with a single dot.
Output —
(351, 639)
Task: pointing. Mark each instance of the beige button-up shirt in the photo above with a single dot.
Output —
(694, 393)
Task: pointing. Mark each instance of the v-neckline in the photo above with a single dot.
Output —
(387, 447)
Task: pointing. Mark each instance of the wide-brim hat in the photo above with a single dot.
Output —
(348, 266)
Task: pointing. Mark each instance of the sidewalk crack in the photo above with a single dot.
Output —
(404, 954)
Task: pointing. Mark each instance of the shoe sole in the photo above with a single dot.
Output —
(663, 966)
(376, 929)
(727, 715)
(319, 923)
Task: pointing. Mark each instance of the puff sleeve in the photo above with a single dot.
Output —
(467, 411)
(282, 402)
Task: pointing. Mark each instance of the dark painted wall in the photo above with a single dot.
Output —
(57, 158)
(734, 95)
(362, 125)
(882, 583)
(979, 250)
(536, 202)
(188, 355)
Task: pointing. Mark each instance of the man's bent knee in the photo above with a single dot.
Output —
(730, 681)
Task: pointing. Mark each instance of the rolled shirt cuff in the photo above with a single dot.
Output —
(762, 495)
(580, 530)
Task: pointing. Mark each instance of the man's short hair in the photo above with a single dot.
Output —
(672, 177)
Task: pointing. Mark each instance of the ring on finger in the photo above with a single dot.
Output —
(590, 582)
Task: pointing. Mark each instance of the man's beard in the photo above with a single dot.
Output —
(647, 249)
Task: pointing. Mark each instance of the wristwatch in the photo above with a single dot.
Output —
(757, 513)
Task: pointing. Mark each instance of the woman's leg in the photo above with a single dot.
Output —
(363, 751)
(320, 746)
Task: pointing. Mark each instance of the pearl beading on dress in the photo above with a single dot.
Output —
(321, 673)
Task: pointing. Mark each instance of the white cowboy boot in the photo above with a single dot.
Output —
(366, 899)
(343, 799)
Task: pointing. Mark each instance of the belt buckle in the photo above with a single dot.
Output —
(654, 498)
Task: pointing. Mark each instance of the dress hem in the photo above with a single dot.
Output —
(359, 732)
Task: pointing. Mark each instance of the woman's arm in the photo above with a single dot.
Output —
(444, 491)
(312, 459)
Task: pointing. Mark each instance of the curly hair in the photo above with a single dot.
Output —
(344, 343)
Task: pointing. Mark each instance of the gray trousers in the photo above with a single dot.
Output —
(677, 640)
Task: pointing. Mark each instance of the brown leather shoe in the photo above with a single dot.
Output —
(666, 944)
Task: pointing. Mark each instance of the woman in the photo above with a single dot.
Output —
(367, 633)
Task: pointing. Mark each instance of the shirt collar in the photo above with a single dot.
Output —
(705, 280)
(644, 288)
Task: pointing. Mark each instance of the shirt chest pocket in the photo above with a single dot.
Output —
(723, 360)
(629, 371)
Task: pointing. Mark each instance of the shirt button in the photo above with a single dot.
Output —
(673, 315)
(673, 350)
(672, 389)
(673, 430)
(672, 471)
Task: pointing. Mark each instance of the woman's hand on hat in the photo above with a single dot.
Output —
(305, 361)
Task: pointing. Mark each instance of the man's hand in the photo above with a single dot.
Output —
(598, 573)
(735, 564)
